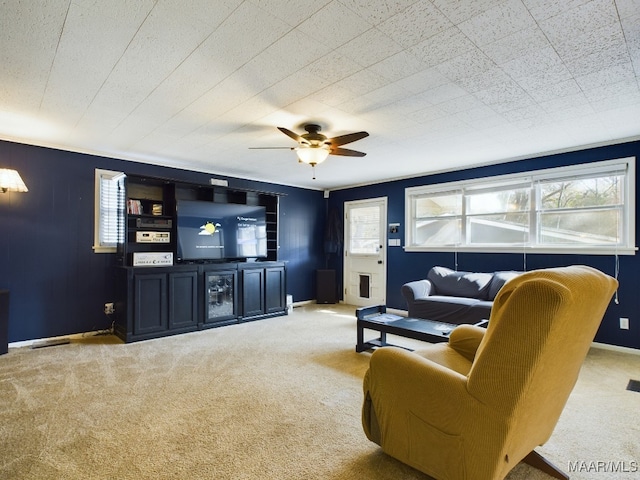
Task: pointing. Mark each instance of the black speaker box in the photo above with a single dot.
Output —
(4, 321)
(326, 286)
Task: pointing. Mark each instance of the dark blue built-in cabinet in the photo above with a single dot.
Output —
(184, 296)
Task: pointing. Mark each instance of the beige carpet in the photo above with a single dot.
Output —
(273, 399)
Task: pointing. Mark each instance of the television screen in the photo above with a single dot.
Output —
(218, 231)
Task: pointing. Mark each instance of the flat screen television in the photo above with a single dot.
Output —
(220, 231)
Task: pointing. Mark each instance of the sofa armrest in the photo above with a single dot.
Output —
(465, 339)
(417, 289)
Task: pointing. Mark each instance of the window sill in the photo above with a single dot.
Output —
(574, 250)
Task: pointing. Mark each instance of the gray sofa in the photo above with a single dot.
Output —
(454, 297)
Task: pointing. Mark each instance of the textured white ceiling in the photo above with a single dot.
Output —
(438, 84)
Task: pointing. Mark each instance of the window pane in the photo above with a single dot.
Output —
(587, 192)
(501, 201)
(510, 229)
(594, 227)
(365, 230)
(437, 232)
(438, 205)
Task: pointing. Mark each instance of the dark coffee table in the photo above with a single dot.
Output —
(375, 318)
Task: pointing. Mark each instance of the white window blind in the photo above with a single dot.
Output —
(109, 202)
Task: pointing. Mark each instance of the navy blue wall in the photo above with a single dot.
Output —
(406, 266)
(58, 286)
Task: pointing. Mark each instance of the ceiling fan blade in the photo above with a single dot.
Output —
(348, 138)
(271, 148)
(291, 134)
(346, 152)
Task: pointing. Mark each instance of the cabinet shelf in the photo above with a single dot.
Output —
(144, 207)
(150, 206)
(149, 222)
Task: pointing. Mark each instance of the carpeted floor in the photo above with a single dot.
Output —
(273, 399)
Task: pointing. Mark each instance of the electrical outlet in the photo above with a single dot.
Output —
(624, 323)
(109, 308)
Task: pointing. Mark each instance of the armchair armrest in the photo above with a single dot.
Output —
(465, 339)
(401, 383)
(396, 372)
(416, 289)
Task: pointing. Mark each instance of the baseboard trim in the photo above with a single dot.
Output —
(395, 311)
(303, 303)
(615, 348)
(43, 341)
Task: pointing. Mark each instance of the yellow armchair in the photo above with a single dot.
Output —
(474, 407)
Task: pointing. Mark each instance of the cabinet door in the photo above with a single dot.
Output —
(183, 299)
(150, 308)
(220, 291)
(252, 292)
(275, 296)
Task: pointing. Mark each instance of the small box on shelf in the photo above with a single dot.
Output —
(134, 207)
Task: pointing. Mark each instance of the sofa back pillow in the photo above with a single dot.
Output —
(460, 284)
(499, 279)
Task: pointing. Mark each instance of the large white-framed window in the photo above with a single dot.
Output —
(586, 208)
(109, 198)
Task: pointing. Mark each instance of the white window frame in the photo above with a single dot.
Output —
(106, 200)
(626, 246)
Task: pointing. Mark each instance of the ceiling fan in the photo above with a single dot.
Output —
(314, 147)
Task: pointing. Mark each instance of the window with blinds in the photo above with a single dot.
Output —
(579, 209)
(109, 202)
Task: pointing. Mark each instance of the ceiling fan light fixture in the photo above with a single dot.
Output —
(313, 154)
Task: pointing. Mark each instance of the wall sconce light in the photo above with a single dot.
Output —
(10, 181)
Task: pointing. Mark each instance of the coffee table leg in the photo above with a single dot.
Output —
(360, 347)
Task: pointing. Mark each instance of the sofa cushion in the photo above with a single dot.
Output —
(460, 284)
(449, 309)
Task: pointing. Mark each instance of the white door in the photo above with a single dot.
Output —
(365, 253)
